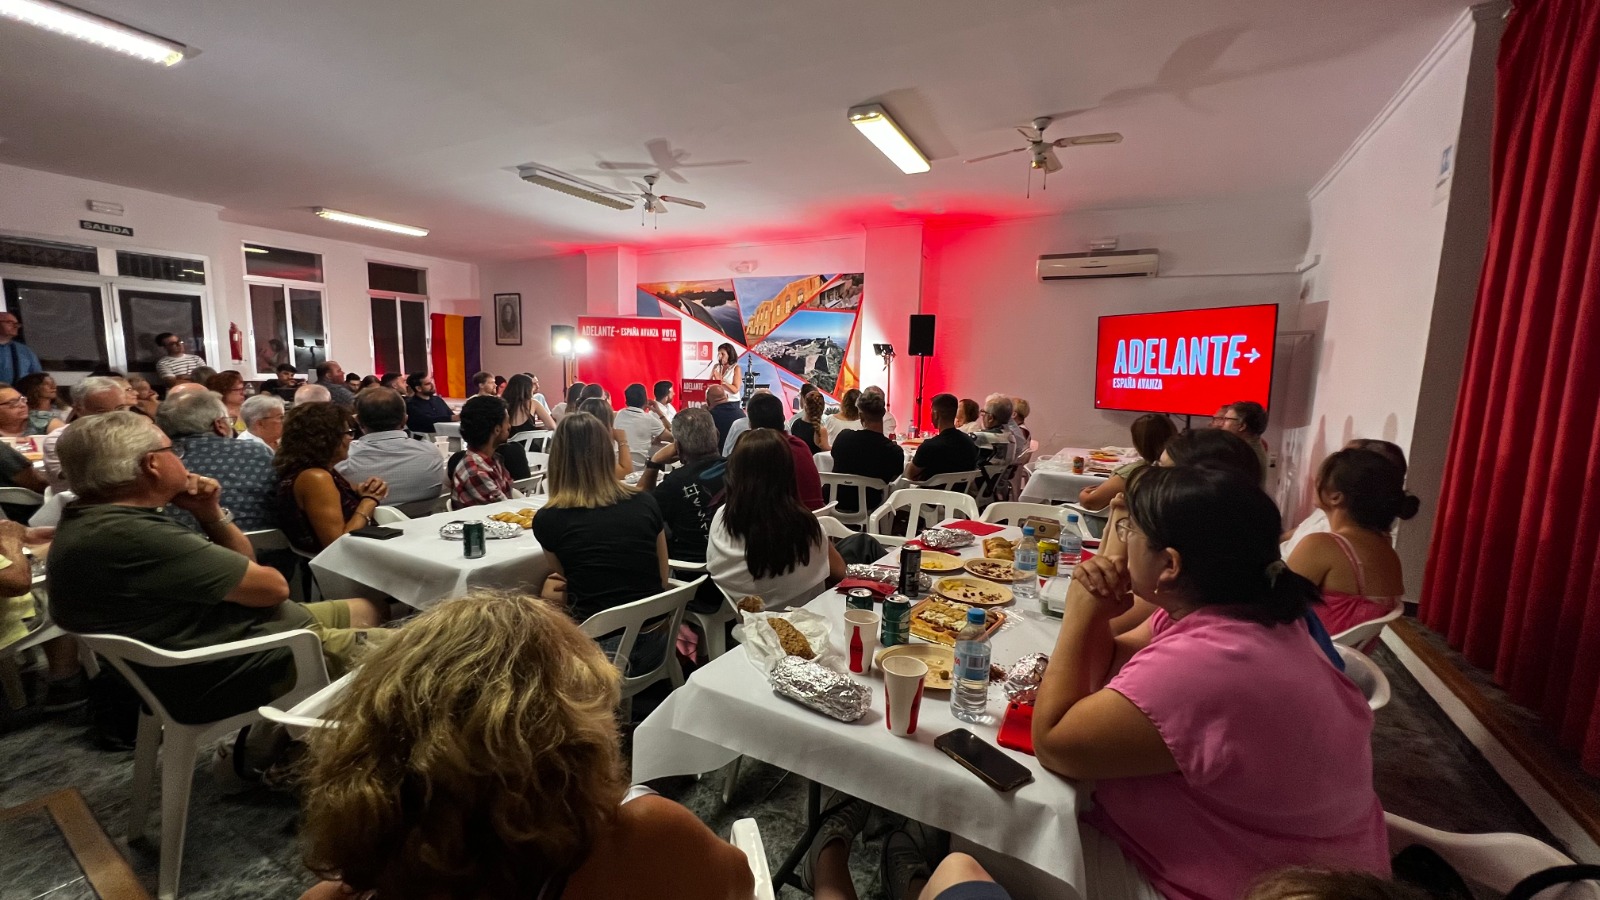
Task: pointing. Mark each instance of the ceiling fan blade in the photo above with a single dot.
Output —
(1030, 134)
(694, 203)
(1051, 163)
(610, 166)
(993, 155)
(1080, 140)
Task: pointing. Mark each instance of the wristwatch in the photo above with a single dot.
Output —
(227, 519)
(654, 466)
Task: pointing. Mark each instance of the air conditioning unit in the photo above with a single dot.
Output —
(1098, 264)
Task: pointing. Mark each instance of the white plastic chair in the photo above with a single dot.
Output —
(629, 618)
(746, 835)
(532, 441)
(267, 540)
(1495, 861)
(714, 624)
(834, 485)
(20, 496)
(180, 744)
(1363, 635)
(533, 484)
(824, 461)
(834, 528)
(934, 506)
(960, 482)
(538, 462)
(389, 515)
(827, 510)
(1012, 512)
(1367, 676)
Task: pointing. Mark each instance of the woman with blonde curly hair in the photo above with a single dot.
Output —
(477, 756)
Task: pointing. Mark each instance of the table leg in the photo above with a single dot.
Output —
(785, 874)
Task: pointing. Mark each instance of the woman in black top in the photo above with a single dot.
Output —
(527, 413)
(809, 426)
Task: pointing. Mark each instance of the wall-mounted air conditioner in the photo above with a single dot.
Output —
(1097, 264)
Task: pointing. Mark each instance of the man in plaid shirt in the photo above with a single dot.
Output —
(480, 477)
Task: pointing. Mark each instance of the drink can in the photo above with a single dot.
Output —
(472, 539)
(1049, 558)
(859, 598)
(1078, 463)
(910, 571)
(896, 621)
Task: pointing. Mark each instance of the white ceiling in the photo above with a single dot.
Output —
(418, 111)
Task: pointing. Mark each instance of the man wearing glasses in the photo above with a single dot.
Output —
(177, 365)
(203, 432)
(1247, 419)
(16, 358)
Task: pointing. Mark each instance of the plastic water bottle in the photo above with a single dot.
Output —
(969, 696)
(1027, 563)
(1071, 544)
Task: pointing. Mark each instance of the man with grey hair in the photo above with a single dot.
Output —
(119, 565)
(199, 423)
(413, 470)
(688, 495)
(891, 425)
(868, 452)
(311, 393)
(263, 420)
(93, 396)
(998, 433)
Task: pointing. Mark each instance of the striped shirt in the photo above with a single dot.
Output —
(179, 366)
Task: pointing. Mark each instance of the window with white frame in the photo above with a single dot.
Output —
(399, 303)
(288, 323)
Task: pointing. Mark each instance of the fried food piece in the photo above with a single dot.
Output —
(793, 642)
(752, 604)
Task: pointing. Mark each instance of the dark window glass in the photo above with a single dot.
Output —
(310, 348)
(46, 254)
(413, 335)
(385, 335)
(404, 280)
(146, 314)
(275, 262)
(63, 323)
(161, 268)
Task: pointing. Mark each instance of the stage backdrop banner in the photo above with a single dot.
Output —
(625, 350)
(455, 353)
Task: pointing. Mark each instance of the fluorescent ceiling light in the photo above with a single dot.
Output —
(84, 26)
(251, 249)
(572, 187)
(873, 121)
(367, 221)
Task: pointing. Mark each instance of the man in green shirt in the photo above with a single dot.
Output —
(119, 565)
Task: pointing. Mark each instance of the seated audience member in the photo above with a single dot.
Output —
(1247, 419)
(412, 469)
(45, 413)
(689, 494)
(201, 375)
(1212, 448)
(808, 425)
(848, 416)
(425, 408)
(366, 382)
(890, 424)
(395, 381)
(263, 420)
(65, 683)
(177, 364)
(93, 396)
(1197, 724)
(867, 452)
(119, 565)
(600, 408)
(145, 399)
(311, 393)
(806, 389)
(331, 376)
(480, 478)
(1354, 563)
(996, 439)
(483, 385)
(229, 386)
(595, 392)
(664, 394)
(14, 421)
(969, 416)
(17, 470)
(1150, 436)
(284, 385)
(646, 428)
(1317, 522)
(202, 436)
(316, 505)
(903, 871)
(948, 451)
(764, 540)
(520, 705)
(605, 540)
(526, 409)
(1020, 410)
(766, 411)
(570, 404)
(725, 411)
(739, 427)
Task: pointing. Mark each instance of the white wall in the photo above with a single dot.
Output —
(46, 205)
(553, 291)
(1001, 329)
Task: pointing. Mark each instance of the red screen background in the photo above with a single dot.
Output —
(1168, 383)
(628, 350)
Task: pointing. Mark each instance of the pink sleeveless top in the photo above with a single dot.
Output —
(1341, 611)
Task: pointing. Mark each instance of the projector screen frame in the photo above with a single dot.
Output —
(1272, 373)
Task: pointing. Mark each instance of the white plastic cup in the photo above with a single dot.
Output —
(903, 681)
(861, 638)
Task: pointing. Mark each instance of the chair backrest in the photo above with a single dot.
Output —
(1367, 676)
(388, 515)
(826, 510)
(824, 461)
(1013, 513)
(1360, 635)
(267, 540)
(835, 485)
(1495, 861)
(532, 441)
(20, 496)
(630, 618)
(447, 429)
(834, 528)
(538, 462)
(920, 503)
(533, 484)
(960, 482)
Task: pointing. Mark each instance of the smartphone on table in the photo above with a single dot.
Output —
(983, 759)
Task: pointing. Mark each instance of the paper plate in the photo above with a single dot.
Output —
(941, 662)
(973, 591)
(934, 561)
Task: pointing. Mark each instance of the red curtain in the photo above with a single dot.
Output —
(1515, 563)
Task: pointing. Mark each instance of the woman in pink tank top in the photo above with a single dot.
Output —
(1354, 564)
(1222, 743)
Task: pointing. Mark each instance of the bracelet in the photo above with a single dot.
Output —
(227, 519)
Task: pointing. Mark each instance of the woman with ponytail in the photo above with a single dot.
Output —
(1354, 564)
(1222, 744)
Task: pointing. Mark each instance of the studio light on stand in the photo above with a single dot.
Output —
(886, 353)
(564, 343)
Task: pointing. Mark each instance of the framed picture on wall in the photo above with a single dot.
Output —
(508, 319)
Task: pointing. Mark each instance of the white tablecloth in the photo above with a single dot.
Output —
(1052, 480)
(727, 709)
(421, 568)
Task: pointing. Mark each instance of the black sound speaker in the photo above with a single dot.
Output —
(921, 343)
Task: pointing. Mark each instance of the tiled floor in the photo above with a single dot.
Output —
(244, 846)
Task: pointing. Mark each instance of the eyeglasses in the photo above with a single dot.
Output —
(1218, 420)
(15, 401)
(1125, 528)
(175, 449)
(173, 344)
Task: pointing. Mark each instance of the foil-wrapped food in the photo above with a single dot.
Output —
(888, 575)
(828, 692)
(946, 538)
(1022, 679)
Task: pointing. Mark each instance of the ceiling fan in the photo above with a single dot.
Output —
(1044, 151)
(655, 203)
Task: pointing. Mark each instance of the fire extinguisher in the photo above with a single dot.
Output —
(236, 342)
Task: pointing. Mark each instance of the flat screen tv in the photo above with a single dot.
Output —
(1187, 362)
